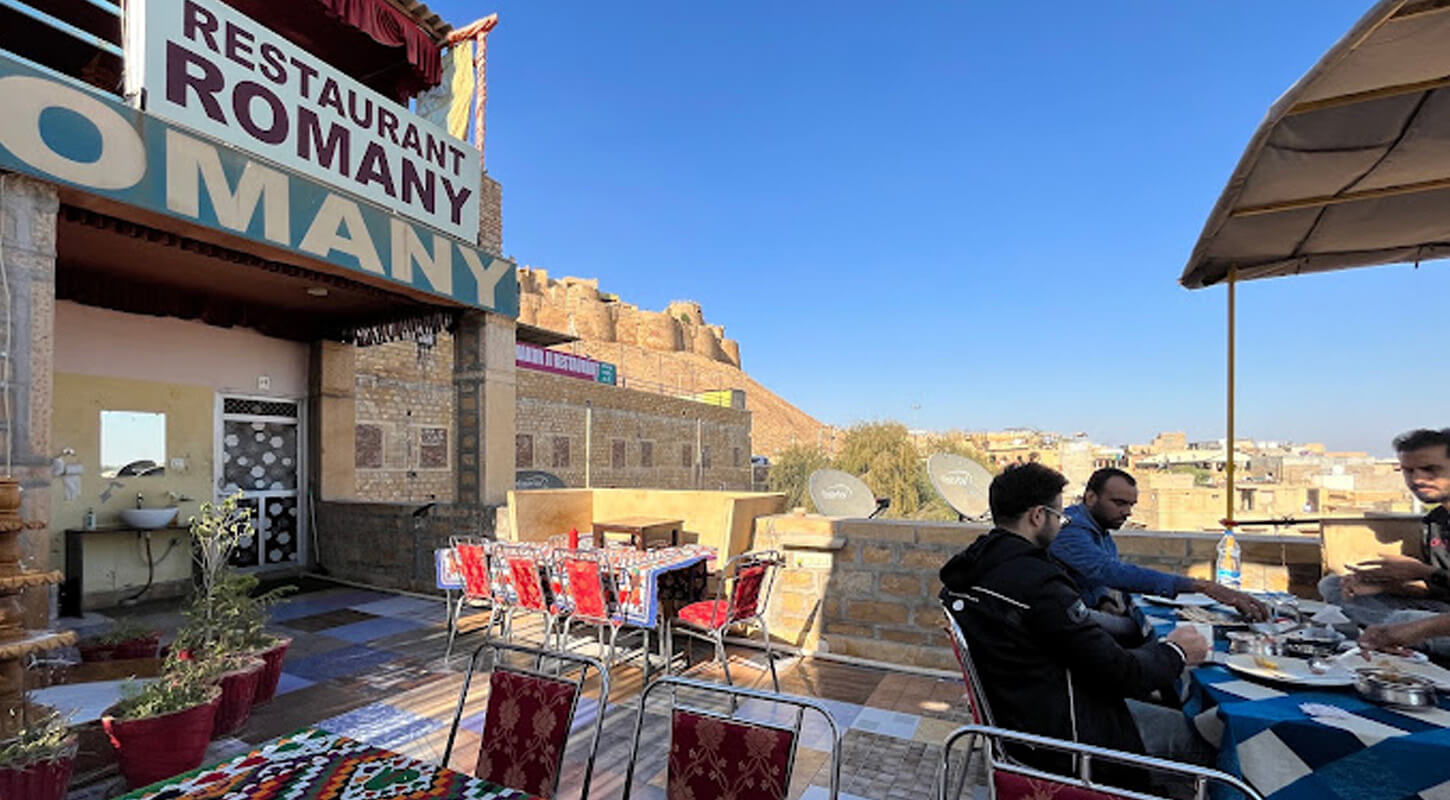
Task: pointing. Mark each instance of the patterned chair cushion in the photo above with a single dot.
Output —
(530, 589)
(745, 595)
(714, 757)
(525, 728)
(1011, 786)
(589, 598)
(473, 562)
(707, 614)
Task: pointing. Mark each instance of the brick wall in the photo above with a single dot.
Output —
(405, 422)
(490, 217)
(386, 544)
(640, 439)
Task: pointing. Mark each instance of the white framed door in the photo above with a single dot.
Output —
(260, 447)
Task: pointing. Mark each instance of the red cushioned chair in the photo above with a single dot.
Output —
(528, 719)
(713, 754)
(744, 587)
(526, 572)
(473, 557)
(587, 595)
(976, 697)
(1008, 780)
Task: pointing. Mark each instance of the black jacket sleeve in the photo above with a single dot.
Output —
(1060, 620)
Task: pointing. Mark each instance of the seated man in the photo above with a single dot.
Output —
(1399, 589)
(1085, 548)
(1045, 666)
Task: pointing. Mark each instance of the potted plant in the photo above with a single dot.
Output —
(37, 763)
(162, 729)
(126, 641)
(226, 623)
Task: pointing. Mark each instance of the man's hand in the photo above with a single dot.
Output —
(1391, 570)
(1354, 586)
(1394, 638)
(1194, 646)
(1251, 607)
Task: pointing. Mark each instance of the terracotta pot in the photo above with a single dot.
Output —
(267, 684)
(144, 647)
(9, 494)
(239, 688)
(41, 780)
(155, 748)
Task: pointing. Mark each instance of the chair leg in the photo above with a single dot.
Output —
(613, 634)
(719, 636)
(645, 655)
(769, 657)
(457, 609)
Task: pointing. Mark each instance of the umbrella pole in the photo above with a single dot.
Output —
(1228, 517)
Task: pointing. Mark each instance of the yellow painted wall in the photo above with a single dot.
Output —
(114, 562)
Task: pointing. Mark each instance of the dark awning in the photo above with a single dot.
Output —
(1351, 166)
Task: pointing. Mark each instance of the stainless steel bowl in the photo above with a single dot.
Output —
(1252, 643)
(1394, 688)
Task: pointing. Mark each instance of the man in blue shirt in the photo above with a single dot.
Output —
(1085, 548)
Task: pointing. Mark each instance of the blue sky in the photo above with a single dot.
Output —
(952, 214)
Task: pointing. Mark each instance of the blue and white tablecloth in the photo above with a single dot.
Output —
(1362, 752)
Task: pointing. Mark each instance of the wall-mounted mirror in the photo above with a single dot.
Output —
(133, 444)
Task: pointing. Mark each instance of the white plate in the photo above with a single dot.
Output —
(1190, 599)
(1289, 670)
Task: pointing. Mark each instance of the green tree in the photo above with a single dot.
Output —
(790, 472)
(883, 455)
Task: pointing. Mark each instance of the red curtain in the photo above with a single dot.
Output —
(389, 26)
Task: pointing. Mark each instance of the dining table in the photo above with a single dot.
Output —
(1296, 742)
(313, 763)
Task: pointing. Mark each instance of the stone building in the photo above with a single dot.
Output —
(241, 263)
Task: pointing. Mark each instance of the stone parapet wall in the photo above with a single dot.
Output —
(389, 544)
(868, 588)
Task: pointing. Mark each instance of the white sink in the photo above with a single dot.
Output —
(147, 519)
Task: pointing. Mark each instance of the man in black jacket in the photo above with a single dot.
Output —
(1045, 666)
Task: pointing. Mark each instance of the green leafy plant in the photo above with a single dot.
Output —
(225, 617)
(44, 736)
(122, 633)
(185, 684)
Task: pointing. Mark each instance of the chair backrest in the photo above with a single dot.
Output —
(976, 695)
(525, 572)
(473, 562)
(528, 719)
(1011, 780)
(714, 754)
(750, 576)
(586, 595)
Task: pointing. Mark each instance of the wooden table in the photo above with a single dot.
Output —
(640, 530)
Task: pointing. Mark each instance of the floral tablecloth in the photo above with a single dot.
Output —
(316, 764)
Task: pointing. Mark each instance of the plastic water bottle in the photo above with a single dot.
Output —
(1230, 561)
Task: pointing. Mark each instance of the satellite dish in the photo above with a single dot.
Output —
(841, 494)
(961, 482)
(537, 479)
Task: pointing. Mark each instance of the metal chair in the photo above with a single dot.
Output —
(585, 593)
(516, 750)
(976, 695)
(1009, 780)
(744, 587)
(712, 754)
(477, 588)
(526, 574)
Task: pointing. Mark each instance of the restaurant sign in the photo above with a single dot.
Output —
(57, 132)
(204, 66)
(530, 356)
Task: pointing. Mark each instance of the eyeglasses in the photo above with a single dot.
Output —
(1061, 517)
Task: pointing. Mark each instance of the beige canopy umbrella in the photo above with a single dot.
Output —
(1350, 167)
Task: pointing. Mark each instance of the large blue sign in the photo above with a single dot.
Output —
(60, 133)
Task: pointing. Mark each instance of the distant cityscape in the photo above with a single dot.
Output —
(1181, 483)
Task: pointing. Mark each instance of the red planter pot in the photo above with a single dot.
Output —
(155, 748)
(272, 673)
(239, 688)
(43, 780)
(139, 648)
(97, 652)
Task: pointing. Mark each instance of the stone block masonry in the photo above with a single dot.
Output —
(639, 439)
(391, 545)
(405, 429)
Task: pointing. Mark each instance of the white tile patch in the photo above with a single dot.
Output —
(824, 793)
(1268, 764)
(1248, 690)
(403, 607)
(887, 723)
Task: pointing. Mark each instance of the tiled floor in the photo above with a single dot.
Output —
(369, 665)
